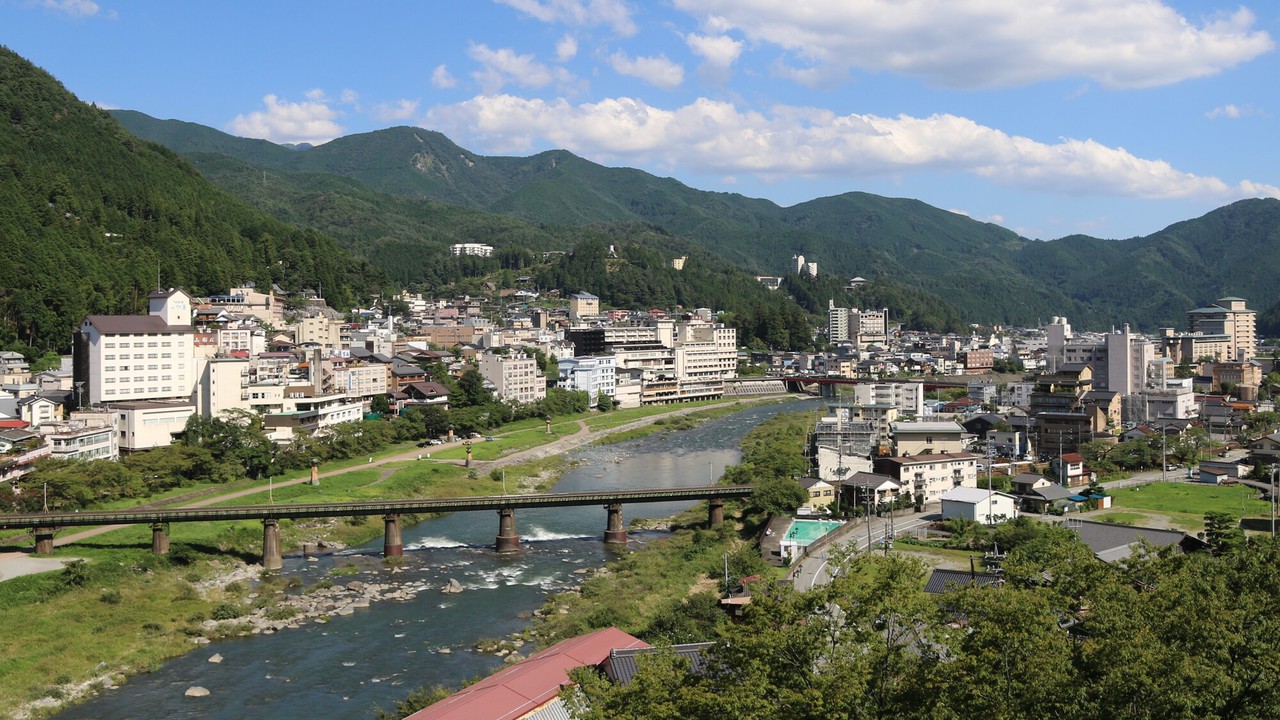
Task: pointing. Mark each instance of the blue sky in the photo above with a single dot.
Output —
(1112, 118)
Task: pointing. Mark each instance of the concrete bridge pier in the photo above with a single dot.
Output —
(392, 545)
(44, 540)
(507, 541)
(160, 538)
(271, 558)
(615, 533)
(715, 511)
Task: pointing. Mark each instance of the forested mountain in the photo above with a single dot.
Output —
(93, 218)
(985, 272)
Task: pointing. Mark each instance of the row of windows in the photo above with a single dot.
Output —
(150, 390)
(152, 343)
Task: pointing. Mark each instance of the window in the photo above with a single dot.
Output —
(108, 357)
(110, 345)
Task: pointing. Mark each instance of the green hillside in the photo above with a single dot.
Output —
(987, 273)
(92, 218)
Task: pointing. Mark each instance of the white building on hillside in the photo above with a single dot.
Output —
(595, 375)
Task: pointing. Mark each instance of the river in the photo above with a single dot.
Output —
(343, 668)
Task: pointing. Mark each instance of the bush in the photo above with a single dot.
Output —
(226, 611)
(234, 587)
(110, 597)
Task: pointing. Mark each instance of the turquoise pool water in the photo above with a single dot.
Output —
(803, 532)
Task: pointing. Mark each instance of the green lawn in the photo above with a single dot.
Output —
(1192, 499)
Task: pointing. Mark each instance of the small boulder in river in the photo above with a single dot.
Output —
(453, 586)
(196, 691)
(217, 658)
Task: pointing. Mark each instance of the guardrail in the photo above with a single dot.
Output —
(381, 507)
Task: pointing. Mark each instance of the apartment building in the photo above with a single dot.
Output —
(515, 378)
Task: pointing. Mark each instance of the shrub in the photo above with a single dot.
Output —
(110, 597)
(226, 611)
(234, 587)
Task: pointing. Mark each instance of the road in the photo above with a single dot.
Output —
(814, 569)
(582, 436)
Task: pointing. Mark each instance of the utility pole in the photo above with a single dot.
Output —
(991, 508)
(1274, 470)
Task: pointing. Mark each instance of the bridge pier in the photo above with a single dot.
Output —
(507, 541)
(615, 533)
(44, 540)
(160, 538)
(271, 558)
(715, 511)
(392, 545)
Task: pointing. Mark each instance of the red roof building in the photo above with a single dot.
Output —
(530, 684)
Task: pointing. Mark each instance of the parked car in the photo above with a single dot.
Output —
(435, 441)
(475, 436)
(488, 438)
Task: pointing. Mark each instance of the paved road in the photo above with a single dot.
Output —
(815, 569)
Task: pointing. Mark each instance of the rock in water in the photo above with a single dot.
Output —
(196, 691)
(453, 586)
(217, 658)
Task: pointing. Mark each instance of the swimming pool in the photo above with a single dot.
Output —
(804, 532)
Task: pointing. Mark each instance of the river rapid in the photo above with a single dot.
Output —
(343, 668)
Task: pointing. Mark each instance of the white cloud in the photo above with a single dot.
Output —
(714, 137)
(311, 121)
(995, 43)
(399, 110)
(349, 97)
(655, 70)
(585, 13)
(566, 48)
(719, 51)
(74, 8)
(1233, 112)
(503, 66)
(441, 78)
(1227, 111)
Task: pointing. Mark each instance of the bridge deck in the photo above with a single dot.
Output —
(377, 507)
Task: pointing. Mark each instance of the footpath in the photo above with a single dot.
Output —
(14, 564)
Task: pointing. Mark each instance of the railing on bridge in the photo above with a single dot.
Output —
(44, 524)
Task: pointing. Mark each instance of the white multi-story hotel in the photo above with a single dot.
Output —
(594, 375)
(142, 367)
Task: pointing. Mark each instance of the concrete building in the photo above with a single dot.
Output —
(594, 375)
(931, 476)
(583, 305)
(137, 357)
(928, 438)
(1227, 316)
(980, 505)
(515, 378)
(82, 440)
(473, 249)
(907, 397)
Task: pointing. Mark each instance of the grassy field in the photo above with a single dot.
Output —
(1192, 498)
(1121, 518)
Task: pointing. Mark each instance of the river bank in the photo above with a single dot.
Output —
(162, 611)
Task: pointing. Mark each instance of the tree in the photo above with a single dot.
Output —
(380, 404)
(1222, 532)
(471, 390)
(778, 495)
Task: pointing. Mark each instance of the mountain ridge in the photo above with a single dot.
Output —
(988, 273)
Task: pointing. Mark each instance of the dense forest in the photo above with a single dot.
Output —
(93, 218)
